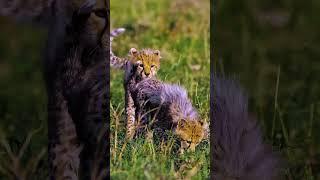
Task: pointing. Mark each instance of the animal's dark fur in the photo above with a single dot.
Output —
(238, 150)
(152, 94)
(76, 67)
(81, 77)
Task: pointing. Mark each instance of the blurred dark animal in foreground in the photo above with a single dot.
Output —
(76, 75)
(238, 150)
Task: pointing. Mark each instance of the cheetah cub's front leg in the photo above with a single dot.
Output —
(130, 113)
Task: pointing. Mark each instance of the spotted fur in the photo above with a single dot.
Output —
(141, 65)
(169, 108)
(138, 66)
(148, 59)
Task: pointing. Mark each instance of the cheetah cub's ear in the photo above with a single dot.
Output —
(133, 51)
(182, 123)
(206, 129)
(157, 53)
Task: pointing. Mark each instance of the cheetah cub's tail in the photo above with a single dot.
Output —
(116, 62)
(116, 33)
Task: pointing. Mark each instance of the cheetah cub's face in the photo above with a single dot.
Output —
(191, 133)
(147, 62)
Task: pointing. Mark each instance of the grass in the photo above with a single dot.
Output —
(180, 30)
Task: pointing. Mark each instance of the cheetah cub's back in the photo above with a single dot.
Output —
(175, 111)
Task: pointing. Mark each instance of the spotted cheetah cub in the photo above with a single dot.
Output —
(170, 108)
(139, 65)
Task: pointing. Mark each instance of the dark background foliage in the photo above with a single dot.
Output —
(22, 99)
(273, 48)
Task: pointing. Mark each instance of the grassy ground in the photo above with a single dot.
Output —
(180, 30)
(272, 47)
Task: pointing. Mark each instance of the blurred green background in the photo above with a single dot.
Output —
(260, 41)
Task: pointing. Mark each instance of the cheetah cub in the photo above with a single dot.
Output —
(169, 107)
(142, 65)
(138, 66)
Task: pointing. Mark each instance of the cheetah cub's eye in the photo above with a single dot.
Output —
(141, 65)
(152, 66)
